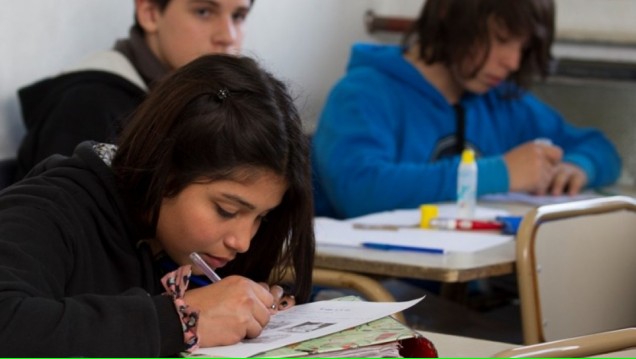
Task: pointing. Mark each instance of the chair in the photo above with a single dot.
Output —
(8, 167)
(368, 287)
(576, 264)
(583, 346)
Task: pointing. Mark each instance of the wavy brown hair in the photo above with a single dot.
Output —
(449, 31)
(214, 118)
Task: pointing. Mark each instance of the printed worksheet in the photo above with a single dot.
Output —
(308, 321)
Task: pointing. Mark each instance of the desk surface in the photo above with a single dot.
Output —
(453, 346)
(449, 268)
(452, 267)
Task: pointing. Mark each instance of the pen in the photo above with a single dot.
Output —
(465, 224)
(209, 272)
(440, 223)
(510, 224)
(393, 247)
(385, 227)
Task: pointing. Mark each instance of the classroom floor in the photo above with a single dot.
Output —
(491, 314)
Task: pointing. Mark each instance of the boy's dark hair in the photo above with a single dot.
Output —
(223, 117)
(162, 6)
(447, 31)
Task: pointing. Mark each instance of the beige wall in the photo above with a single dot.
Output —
(597, 20)
(305, 42)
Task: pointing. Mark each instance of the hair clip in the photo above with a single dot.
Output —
(222, 94)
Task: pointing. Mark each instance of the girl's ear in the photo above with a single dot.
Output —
(147, 13)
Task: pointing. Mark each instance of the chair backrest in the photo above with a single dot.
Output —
(577, 347)
(8, 167)
(368, 287)
(576, 268)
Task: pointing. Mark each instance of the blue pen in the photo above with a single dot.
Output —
(394, 247)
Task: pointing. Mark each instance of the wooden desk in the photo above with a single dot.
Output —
(447, 268)
(453, 346)
(627, 353)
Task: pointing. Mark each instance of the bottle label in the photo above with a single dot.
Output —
(466, 192)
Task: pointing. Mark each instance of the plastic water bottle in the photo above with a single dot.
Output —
(467, 185)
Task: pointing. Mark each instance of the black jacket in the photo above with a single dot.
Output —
(74, 279)
(60, 112)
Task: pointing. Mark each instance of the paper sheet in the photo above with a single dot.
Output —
(335, 232)
(308, 321)
(408, 217)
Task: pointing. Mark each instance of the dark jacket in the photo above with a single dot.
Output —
(87, 103)
(74, 278)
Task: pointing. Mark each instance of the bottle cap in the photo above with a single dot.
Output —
(427, 212)
(468, 156)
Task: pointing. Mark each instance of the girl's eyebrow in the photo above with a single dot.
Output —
(239, 200)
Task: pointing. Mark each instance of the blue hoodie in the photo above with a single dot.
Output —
(377, 145)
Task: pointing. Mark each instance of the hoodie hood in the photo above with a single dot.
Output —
(389, 61)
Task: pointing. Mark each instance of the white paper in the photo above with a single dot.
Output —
(446, 241)
(336, 232)
(308, 321)
(411, 217)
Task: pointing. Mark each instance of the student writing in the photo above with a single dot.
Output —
(393, 127)
(214, 161)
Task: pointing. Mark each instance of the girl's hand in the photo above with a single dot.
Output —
(230, 310)
(282, 301)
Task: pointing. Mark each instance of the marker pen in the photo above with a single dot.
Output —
(464, 224)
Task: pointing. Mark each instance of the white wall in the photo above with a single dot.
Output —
(41, 37)
(305, 42)
(597, 20)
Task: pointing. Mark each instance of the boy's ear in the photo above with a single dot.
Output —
(147, 13)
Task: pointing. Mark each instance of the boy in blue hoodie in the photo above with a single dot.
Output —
(392, 129)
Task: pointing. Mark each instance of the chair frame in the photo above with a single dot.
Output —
(527, 262)
(577, 347)
(368, 287)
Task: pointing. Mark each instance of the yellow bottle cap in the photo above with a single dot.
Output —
(468, 156)
(427, 212)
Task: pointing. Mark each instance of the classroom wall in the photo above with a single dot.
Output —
(41, 37)
(302, 41)
(305, 42)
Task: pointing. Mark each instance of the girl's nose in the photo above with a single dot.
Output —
(241, 236)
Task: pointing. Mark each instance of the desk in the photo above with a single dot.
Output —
(627, 353)
(453, 346)
(447, 268)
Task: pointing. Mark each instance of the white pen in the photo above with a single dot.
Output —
(209, 272)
